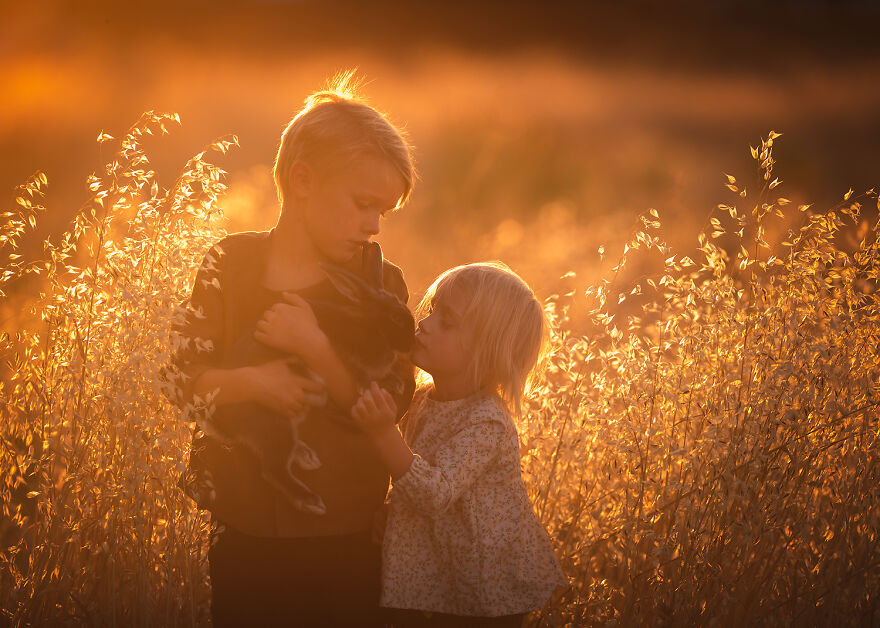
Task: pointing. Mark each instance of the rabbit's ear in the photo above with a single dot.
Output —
(347, 284)
(372, 264)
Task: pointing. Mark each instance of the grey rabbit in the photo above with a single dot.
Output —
(369, 329)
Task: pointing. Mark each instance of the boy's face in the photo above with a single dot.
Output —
(343, 206)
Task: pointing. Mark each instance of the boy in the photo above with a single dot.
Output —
(340, 167)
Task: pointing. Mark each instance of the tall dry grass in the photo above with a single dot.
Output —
(94, 530)
(711, 455)
(703, 446)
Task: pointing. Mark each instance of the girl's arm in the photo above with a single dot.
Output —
(375, 413)
(458, 464)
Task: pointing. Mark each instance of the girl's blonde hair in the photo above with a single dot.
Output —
(507, 328)
(337, 124)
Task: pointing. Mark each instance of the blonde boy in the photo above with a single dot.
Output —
(341, 166)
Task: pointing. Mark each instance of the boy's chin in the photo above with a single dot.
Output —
(343, 255)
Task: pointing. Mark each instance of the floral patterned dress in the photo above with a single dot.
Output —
(461, 535)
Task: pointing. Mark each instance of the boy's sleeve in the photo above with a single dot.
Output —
(402, 368)
(198, 333)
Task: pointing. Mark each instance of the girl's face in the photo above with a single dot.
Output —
(343, 207)
(442, 339)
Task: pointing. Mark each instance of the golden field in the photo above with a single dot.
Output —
(702, 444)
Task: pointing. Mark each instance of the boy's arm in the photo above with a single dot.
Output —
(326, 363)
(342, 386)
(293, 327)
(271, 384)
(198, 332)
(196, 362)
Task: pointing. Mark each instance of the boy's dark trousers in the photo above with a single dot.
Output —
(310, 581)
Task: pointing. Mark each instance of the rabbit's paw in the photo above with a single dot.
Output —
(312, 505)
(304, 457)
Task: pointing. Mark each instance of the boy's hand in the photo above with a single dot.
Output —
(290, 327)
(280, 389)
(374, 412)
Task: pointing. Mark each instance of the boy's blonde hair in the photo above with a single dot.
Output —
(507, 327)
(336, 124)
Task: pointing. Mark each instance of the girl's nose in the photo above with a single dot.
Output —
(420, 326)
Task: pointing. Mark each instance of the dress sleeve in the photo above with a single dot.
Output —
(402, 370)
(198, 334)
(459, 462)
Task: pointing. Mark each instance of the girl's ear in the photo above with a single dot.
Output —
(301, 179)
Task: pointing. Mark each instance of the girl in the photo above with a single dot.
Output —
(462, 545)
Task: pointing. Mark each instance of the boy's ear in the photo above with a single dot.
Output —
(300, 179)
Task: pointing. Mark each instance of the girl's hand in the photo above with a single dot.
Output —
(277, 387)
(290, 326)
(374, 412)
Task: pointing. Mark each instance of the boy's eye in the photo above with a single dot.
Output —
(372, 206)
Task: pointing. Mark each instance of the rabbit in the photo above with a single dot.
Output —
(368, 331)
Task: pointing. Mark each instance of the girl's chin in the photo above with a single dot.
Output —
(416, 357)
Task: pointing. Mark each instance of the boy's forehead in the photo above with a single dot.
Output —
(374, 181)
(374, 170)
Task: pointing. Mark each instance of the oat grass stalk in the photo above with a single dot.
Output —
(94, 529)
(705, 450)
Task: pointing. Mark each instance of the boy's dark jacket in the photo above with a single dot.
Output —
(352, 480)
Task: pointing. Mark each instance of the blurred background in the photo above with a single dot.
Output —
(542, 129)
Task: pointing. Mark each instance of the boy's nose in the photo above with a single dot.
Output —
(371, 224)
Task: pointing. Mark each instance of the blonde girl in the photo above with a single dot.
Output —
(462, 545)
